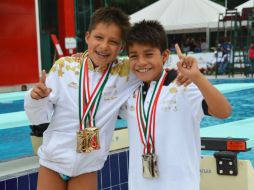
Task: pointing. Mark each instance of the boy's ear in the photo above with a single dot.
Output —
(165, 55)
(87, 36)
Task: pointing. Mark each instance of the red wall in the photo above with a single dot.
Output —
(66, 22)
(18, 45)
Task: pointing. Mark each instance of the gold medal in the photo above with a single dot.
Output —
(88, 137)
(88, 140)
(150, 169)
(146, 124)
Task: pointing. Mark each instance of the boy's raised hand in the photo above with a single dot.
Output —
(41, 90)
(181, 79)
(187, 65)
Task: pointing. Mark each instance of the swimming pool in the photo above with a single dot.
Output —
(15, 142)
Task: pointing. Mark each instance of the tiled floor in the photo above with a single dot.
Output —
(113, 176)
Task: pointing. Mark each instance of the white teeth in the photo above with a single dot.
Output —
(143, 70)
(102, 54)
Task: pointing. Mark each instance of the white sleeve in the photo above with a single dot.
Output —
(134, 83)
(41, 111)
(123, 111)
(194, 98)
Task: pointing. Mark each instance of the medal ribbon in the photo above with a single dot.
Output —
(89, 103)
(146, 121)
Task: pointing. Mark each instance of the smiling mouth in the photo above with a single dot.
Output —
(144, 70)
(101, 54)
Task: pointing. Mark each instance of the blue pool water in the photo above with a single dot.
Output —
(15, 142)
(13, 106)
(242, 103)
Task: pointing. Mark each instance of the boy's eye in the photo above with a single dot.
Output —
(98, 37)
(149, 54)
(112, 42)
(132, 57)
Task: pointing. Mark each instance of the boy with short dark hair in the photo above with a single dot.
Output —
(163, 118)
(81, 100)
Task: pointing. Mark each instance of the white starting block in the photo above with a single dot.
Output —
(224, 171)
(210, 180)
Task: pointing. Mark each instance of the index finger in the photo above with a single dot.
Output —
(179, 52)
(43, 77)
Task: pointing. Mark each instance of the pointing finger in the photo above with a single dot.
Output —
(179, 52)
(43, 77)
(179, 66)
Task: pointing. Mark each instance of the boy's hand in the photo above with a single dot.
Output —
(41, 90)
(182, 80)
(187, 65)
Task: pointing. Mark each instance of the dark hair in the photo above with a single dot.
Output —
(110, 15)
(148, 32)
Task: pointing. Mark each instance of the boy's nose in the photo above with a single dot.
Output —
(141, 61)
(104, 45)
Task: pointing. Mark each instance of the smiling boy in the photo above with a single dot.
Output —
(164, 118)
(81, 100)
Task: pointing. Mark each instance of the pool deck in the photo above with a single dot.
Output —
(17, 167)
(236, 129)
(14, 119)
(17, 88)
(11, 96)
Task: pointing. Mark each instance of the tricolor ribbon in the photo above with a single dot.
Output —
(89, 103)
(147, 120)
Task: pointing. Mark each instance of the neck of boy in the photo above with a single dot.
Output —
(156, 79)
(159, 76)
(96, 67)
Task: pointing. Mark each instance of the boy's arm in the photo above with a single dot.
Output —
(218, 105)
(37, 111)
(38, 102)
(123, 111)
(40, 90)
